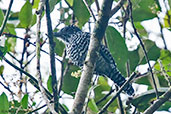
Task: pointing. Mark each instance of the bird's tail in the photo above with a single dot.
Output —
(117, 77)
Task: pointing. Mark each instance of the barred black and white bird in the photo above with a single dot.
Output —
(77, 43)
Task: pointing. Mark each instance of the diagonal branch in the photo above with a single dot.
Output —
(103, 109)
(6, 17)
(117, 7)
(88, 67)
(165, 97)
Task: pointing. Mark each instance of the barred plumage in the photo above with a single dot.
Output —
(77, 43)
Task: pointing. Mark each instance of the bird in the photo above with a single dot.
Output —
(77, 42)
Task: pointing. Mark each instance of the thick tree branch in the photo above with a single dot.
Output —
(159, 102)
(88, 67)
(90, 10)
(52, 56)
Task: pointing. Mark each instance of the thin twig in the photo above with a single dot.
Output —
(7, 88)
(37, 109)
(88, 96)
(52, 56)
(103, 109)
(90, 10)
(28, 62)
(13, 57)
(68, 4)
(6, 17)
(135, 110)
(105, 97)
(63, 72)
(145, 53)
(125, 19)
(14, 36)
(167, 12)
(34, 82)
(22, 58)
(97, 5)
(120, 102)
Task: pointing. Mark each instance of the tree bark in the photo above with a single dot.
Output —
(89, 65)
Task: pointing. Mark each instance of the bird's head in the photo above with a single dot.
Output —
(65, 33)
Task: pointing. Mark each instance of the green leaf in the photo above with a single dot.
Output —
(144, 100)
(16, 107)
(133, 58)
(2, 17)
(169, 2)
(70, 2)
(142, 32)
(143, 9)
(34, 20)
(70, 83)
(65, 107)
(102, 86)
(49, 84)
(36, 4)
(24, 101)
(144, 80)
(3, 51)
(117, 48)
(165, 57)
(153, 52)
(10, 43)
(165, 106)
(1, 69)
(10, 28)
(52, 4)
(59, 47)
(4, 104)
(92, 105)
(167, 20)
(81, 12)
(99, 94)
(25, 15)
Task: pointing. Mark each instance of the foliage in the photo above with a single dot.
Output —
(127, 60)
